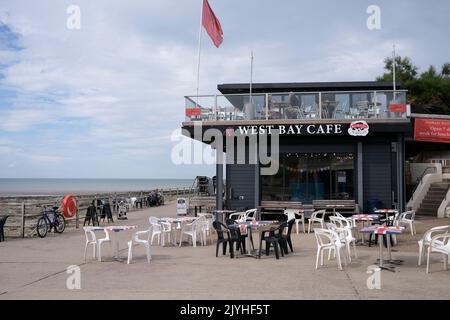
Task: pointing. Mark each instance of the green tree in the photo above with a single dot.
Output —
(405, 70)
(427, 93)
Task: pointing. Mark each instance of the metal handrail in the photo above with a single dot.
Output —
(294, 92)
(420, 180)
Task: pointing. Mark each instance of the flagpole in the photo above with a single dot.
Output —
(199, 50)
(394, 71)
(251, 78)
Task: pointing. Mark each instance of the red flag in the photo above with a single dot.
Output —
(212, 24)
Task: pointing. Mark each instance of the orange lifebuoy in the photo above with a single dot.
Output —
(69, 205)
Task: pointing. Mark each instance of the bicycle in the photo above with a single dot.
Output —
(45, 224)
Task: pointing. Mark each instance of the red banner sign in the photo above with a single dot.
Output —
(397, 107)
(193, 112)
(432, 130)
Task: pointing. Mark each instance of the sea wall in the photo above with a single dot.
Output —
(23, 211)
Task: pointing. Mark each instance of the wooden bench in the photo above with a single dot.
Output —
(280, 205)
(274, 210)
(341, 206)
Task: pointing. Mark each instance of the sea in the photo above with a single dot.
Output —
(34, 187)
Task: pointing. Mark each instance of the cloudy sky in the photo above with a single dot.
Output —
(104, 100)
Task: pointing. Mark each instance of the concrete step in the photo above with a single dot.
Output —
(427, 209)
(429, 203)
(440, 186)
(426, 214)
(436, 193)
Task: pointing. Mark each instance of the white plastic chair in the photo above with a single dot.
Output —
(317, 217)
(156, 229)
(407, 219)
(143, 242)
(207, 226)
(426, 239)
(100, 242)
(291, 214)
(440, 244)
(166, 229)
(91, 238)
(250, 215)
(237, 216)
(190, 230)
(344, 229)
(328, 240)
(202, 229)
(350, 220)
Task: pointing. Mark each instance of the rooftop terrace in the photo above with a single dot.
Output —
(342, 100)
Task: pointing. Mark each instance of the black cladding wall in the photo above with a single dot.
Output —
(241, 179)
(377, 175)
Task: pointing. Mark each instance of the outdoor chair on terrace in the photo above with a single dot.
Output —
(344, 229)
(143, 242)
(328, 240)
(407, 219)
(426, 239)
(226, 236)
(91, 239)
(317, 217)
(440, 243)
(236, 231)
(271, 239)
(292, 214)
(285, 238)
(191, 230)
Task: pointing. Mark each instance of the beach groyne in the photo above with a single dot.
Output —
(24, 211)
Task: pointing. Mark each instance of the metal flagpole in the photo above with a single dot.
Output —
(393, 71)
(199, 50)
(251, 79)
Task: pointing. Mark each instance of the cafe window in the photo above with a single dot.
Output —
(311, 176)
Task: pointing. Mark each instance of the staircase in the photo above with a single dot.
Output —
(433, 199)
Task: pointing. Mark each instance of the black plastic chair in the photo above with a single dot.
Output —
(231, 224)
(2, 227)
(233, 236)
(271, 239)
(285, 239)
(221, 230)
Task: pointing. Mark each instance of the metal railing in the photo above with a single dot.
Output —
(297, 105)
(420, 179)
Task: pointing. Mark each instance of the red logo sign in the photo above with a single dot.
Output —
(397, 107)
(432, 130)
(193, 112)
(358, 128)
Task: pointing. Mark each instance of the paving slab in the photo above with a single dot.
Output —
(35, 268)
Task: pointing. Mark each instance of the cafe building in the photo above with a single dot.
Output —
(334, 141)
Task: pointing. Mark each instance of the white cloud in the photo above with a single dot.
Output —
(115, 88)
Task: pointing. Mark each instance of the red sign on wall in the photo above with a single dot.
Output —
(432, 130)
(397, 107)
(193, 112)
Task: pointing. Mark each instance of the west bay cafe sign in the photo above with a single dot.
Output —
(358, 128)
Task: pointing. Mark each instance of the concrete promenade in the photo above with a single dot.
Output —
(35, 269)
